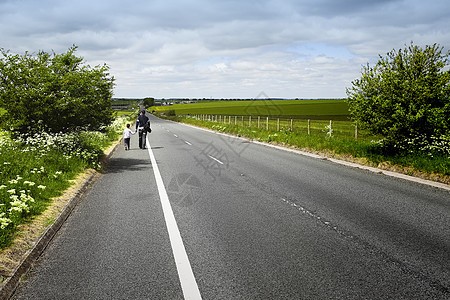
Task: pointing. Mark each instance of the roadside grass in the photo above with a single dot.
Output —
(339, 128)
(35, 169)
(120, 113)
(366, 149)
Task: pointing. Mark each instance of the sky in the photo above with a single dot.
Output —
(226, 48)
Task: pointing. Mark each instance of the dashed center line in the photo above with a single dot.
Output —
(317, 217)
(212, 157)
(175, 135)
(188, 143)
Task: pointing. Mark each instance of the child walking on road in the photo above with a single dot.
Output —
(127, 136)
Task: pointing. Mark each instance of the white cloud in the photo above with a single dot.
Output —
(234, 48)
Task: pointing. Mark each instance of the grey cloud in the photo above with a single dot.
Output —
(196, 45)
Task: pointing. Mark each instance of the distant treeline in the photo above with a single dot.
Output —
(235, 99)
(216, 99)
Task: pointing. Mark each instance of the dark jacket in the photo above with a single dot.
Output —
(142, 121)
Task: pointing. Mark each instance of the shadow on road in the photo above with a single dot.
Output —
(120, 165)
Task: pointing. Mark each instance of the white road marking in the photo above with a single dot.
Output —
(188, 143)
(334, 160)
(212, 157)
(185, 273)
(175, 135)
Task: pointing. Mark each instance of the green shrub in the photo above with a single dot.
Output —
(405, 98)
(54, 93)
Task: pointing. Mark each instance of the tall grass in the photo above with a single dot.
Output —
(36, 168)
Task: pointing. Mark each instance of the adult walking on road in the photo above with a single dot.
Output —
(141, 123)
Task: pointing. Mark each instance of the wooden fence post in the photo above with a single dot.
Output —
(309, 126)
(249, 121)
(267, 124)
(292, 125)
(259, 118)
(356, 130)
(331, 128)
(278, 124)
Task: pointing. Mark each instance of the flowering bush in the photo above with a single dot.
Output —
(429, 146)
(35, 168)
(405, 97)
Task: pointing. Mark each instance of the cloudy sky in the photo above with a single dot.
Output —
(225, 48)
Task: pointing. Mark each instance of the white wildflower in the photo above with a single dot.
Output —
(4, 222)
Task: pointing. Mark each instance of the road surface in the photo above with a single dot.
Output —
(204, 215)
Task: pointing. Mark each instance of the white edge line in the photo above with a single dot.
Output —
(185, 273)
(337, 161)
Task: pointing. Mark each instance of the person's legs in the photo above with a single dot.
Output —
(140, 138)
(144, 136)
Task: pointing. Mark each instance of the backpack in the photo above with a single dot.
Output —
(147, 127)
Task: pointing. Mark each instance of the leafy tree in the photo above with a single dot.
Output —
(54, 92)
(405, 97)
(149, 102)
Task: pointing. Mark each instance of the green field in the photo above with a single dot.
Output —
(331, 109)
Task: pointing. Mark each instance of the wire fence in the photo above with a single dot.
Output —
(335, 128)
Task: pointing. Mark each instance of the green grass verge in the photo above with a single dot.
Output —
(38, 168)
(120, 113)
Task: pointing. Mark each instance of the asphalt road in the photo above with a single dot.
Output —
(255, 223)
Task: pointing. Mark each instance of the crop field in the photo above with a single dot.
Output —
(302, 116)
(331, 109)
